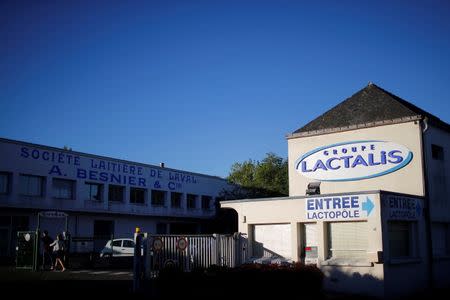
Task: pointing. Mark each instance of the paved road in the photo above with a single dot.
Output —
(13, 274)
(81, 283)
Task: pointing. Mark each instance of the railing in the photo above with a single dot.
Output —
(190, 252)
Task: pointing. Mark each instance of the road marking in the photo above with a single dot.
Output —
(99, 272)
(122, 273)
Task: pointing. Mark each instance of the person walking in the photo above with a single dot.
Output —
(47, 250)
(58, 251)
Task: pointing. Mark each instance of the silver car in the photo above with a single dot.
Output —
(120, 247)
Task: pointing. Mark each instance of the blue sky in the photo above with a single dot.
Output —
(200, 85)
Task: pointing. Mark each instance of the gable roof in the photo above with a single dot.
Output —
(371, 104)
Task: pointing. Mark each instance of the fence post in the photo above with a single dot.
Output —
(217, 250)
(36, 249)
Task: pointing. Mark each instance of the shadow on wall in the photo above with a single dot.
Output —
(338, 279)
(344, 283)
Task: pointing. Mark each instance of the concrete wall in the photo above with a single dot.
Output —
(438, 173)
(408, 179)
(405, 275)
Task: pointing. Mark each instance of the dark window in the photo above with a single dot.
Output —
(161, 228)
(117, 243)
(175, 199)
(400, 244)
(63, 188)
(206, 202)
(128, 244)
(93, 191)
(137, 195)
(191, 201)
(5, 180)
(31, 185)
(115, 193)
(437, 152)
(158, 198)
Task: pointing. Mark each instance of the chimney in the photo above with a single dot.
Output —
(161, 165)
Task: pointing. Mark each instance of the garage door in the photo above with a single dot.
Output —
(272, 240)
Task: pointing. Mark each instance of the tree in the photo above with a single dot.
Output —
(258, 179)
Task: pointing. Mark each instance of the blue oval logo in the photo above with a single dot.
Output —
(354, 160)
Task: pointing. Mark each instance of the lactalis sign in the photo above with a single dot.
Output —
(355, 160)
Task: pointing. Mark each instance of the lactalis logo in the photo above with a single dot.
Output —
(354, 160)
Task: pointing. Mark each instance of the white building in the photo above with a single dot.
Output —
(376, 217)
(101, 195)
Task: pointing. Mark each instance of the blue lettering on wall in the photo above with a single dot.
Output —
(55, 170)
(180, 177)
(396, 158)
(337, 208)
(111, 177)
(55, 157)
(337, 161)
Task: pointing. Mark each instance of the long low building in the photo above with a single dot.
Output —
(368, 186)
(101, 196)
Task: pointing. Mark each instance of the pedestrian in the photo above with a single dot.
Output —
(46, 250)
(58, 251)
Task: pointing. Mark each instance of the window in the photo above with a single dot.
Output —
(137, 195)
(437, 152)
(401, 239)
(62, 188)
(117, 243)
(4, 183)
(191, 201)
(31, 185)
(92, 191)
(175, 199)
(128, 244)
(441, 239)
(347, 241)
(115, 193)
(206, 202)
(158, 198)
(161, 228)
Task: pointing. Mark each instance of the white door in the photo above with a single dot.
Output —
(309, 253)
(272, 240)
(128, 248)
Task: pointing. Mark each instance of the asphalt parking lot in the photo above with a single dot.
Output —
(79, 283)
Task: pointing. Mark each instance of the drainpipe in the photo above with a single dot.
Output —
(426, 209)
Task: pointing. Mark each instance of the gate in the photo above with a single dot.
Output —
(27, 250)
(190, 252)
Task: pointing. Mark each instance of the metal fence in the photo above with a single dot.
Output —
(190, 252)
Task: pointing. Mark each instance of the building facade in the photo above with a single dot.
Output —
(367, 198)
(102, 196)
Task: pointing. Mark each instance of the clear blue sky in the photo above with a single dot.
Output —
(200, 85)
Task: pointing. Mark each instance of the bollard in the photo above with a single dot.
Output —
(137, 263)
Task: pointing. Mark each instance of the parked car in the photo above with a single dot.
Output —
(120, 247)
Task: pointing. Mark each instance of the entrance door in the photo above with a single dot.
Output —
(103, 230)
(309, 253)
(272, 240)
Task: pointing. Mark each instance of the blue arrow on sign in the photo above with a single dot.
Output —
(368, 206)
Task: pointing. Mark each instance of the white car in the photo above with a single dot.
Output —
(120, 247)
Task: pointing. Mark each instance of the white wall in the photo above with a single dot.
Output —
(408, 179)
